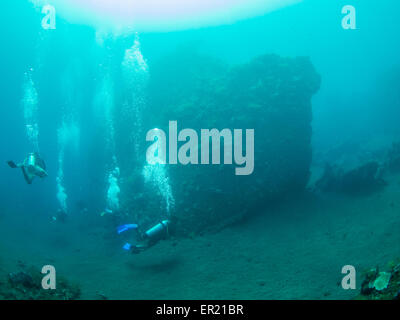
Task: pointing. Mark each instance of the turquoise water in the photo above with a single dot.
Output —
(304, 93)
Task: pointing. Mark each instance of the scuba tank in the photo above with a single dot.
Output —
(157, 232)
(31, 160)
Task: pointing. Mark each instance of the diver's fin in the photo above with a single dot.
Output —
(28, 179)
(12, 164)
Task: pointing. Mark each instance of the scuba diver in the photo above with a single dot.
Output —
(33, 166)
(61, 216)
(147, 239)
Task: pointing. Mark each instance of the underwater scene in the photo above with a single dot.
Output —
(212, 150)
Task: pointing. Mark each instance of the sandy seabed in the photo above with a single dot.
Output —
(295, 251)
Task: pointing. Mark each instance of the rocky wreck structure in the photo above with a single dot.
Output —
(270, 94)
(381, 285)
(26, 284)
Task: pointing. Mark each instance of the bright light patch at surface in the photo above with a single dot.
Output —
(160, 15)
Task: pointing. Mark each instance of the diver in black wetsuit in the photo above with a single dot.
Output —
(147, 239)
(151, 237)
(33, 166)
